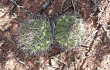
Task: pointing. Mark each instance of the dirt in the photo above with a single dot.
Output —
(92, 54)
